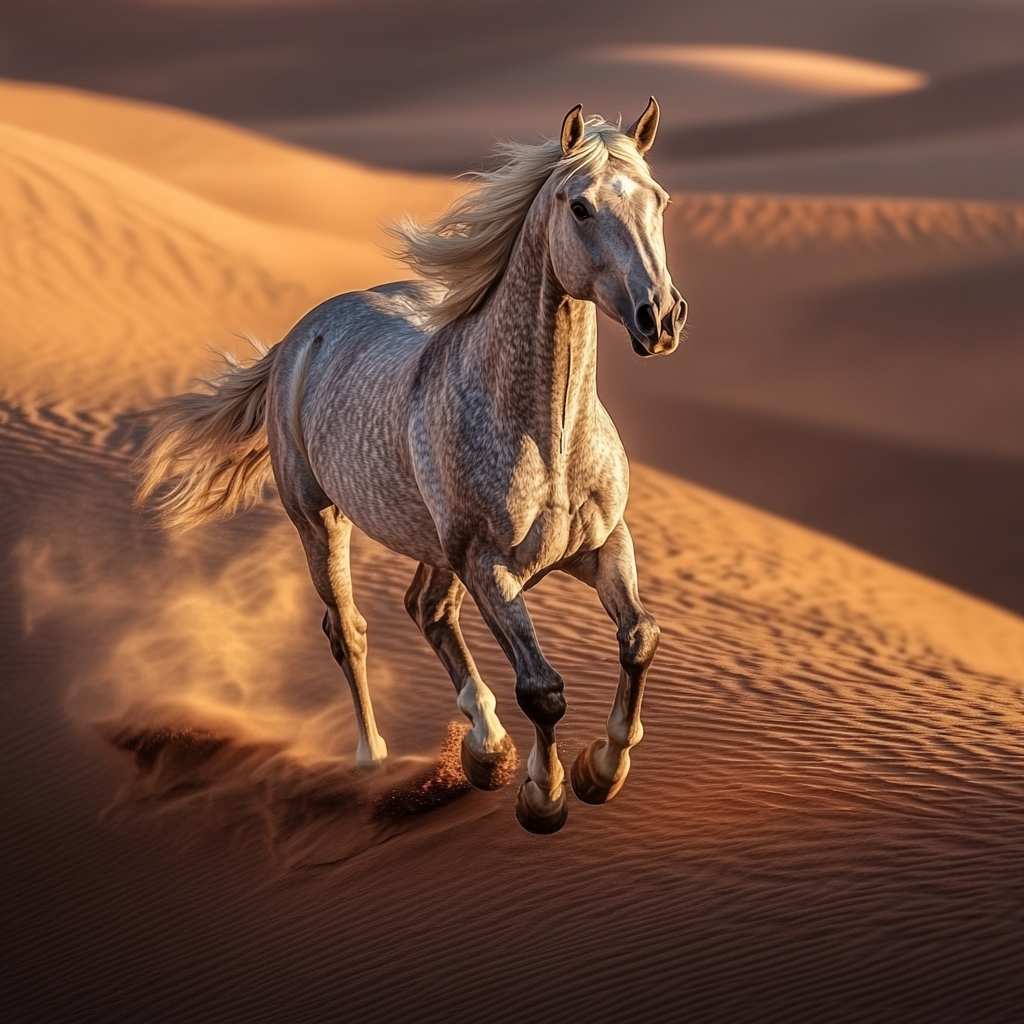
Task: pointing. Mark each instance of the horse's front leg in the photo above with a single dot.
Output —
(600, 770)
(541, 806)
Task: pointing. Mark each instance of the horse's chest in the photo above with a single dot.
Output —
(552, 513)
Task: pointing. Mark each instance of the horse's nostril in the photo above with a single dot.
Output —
(646, 320)
(681, 313)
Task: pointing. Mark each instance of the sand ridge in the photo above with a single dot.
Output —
(241, 170)
(113, 281)
(827, 73)
(832, 748)
(766, 222)
(823, 817)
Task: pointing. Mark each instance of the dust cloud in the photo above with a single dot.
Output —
(213, 675)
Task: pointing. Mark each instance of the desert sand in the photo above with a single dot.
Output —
(823, 821)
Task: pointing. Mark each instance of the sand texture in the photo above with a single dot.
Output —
(823, 821)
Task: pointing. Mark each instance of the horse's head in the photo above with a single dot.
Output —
(606, 239)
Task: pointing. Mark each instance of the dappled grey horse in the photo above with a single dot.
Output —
(456, 420)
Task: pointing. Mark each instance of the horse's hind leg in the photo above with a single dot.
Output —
(600, 770)
(326, 543)
(433, 601)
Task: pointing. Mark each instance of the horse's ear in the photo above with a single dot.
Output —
(572, 129)
(645, 127)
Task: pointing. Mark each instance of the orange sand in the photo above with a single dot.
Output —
(823, 820)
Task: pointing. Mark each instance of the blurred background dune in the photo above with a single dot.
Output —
(853, 361)
(823, 821)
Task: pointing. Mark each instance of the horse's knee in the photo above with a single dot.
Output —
(541, 698)
(638, 641)
(356, 645)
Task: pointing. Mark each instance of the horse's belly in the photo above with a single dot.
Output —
(391, 511)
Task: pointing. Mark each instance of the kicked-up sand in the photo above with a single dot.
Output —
(823, 821)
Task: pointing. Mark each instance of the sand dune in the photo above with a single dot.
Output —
(450, 128)
(965, 103)
(952, 515)
(823, 73)
(853, 363)
(113, 281)
(893, 317)
(248, 173)
(959, 137)
(823, 818)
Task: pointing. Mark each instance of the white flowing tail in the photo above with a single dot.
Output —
(207, 456)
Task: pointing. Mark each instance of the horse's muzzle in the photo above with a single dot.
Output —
(652, 335)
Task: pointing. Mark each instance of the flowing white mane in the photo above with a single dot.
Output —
(467, 248)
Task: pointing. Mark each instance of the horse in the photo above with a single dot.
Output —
(455, 419)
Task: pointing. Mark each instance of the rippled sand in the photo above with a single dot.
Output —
(823, 821)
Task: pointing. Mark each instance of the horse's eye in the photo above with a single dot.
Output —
(579, 211)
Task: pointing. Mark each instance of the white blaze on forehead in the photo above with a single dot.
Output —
(622, 186)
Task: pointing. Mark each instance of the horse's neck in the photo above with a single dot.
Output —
(537, 350)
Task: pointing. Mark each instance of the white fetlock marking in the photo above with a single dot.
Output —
(371, 751)
(477, 703)
(545, 769)
(609, 762)
(622, 736)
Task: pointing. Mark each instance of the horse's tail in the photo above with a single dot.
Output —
(208, 454)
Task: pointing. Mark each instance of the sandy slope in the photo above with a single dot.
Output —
(823, 821)
(854, 363)
(248, 173)
(112, 280)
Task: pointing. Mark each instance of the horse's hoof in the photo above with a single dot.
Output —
(546, 819)
(490, 771)
(585, 782)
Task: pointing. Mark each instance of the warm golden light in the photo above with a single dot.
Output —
(826, 73)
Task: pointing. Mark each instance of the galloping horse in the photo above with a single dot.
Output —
(455, 419)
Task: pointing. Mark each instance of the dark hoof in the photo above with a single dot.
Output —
(585, 783)
(546, 821)
(490, 771)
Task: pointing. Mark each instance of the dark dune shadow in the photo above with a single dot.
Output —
(196, 782)
(956, 517)
(966, 103)
(965, 309)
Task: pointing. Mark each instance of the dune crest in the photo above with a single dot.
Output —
(235, 168)
(827, 73)
(765, 222)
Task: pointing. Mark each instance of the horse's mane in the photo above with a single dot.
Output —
(467, 248)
